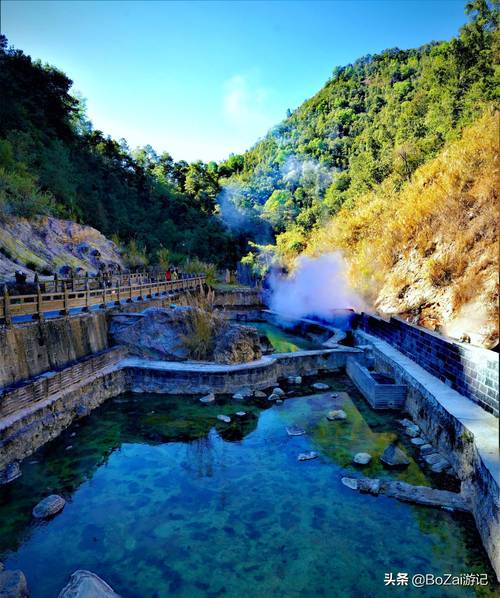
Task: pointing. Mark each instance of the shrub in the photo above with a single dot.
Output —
(203, 324)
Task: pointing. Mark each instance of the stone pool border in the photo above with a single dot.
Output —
(42, 413)
(460, 429)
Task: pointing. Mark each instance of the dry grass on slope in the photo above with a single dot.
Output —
(430, 251)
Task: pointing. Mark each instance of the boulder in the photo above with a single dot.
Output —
(85, 584)
(307, 456)
(440, 466)
(207, 399)
(362, 458)
(432, 458)
(278, 391)
(155, 333)
(412, 431)
(265, 345)
(320, 386)
(238, 397)
(244, 393)
(236, 344)
(393, 456)
(258, 394)
(224, 418)
(13, 584)
(417, 441)
(49, 506)
(336, 414)
(294, 379)
(10, 473)
(426, 449)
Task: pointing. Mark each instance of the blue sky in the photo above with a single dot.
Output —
(203, 79)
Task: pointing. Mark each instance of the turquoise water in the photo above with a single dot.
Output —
(163, 500)
(282, 341)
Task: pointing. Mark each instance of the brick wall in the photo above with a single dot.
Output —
(472, 371)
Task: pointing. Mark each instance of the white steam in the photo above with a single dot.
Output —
(316, 287)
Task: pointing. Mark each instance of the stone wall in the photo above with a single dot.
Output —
(188, 378)
(459, 429)
(472, 371)
(27, 350)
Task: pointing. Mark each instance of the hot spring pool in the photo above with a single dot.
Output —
(281, 340)
(163, 500)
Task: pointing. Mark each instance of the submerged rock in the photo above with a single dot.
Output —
(393, 456)
(440, 466)
(336, 414)
(308, 456)
(241, 413)
(320, 386)
(295, 431)
(49, 506)
(351, 483)
(412, 430)
(362, 458)
(243, 393)
(13, 584)
(426, 449)
(224, 418)
(85, 584)
(417, 441)
(10, 473)
(210, 398)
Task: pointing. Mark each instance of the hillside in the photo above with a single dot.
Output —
(48, 246)
(382, 116)
(429, 251)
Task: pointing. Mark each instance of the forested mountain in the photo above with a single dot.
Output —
(377, 119)
(53, 161)
(355, 168)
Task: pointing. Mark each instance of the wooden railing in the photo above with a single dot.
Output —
(38, 304)
(81, 283)
(17, 397)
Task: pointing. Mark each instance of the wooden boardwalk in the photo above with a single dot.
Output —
(62, 301)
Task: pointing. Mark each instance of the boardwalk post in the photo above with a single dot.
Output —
(55, 282)
(117, 302)
(6, 306)
(64, 311)
(39, 303)
(87, 295)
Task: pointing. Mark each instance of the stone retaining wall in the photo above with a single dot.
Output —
(459, 429)
(472, 371)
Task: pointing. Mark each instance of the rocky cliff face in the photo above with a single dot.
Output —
(49, 245)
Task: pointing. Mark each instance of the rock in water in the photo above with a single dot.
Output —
(241, 413)
(85, 584)
(362, 458)
(258, 394)
(244, 393)
(351, 483)
(278, 391)
(336, 414)
(295, 431)
(10, 473)
(394, 457)
(426, 449)
(210, 398)
(417, 441)
(224, 418)
(13, 584)
(412, 431)
(49, 506)
(320, 386)
(307, 456)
